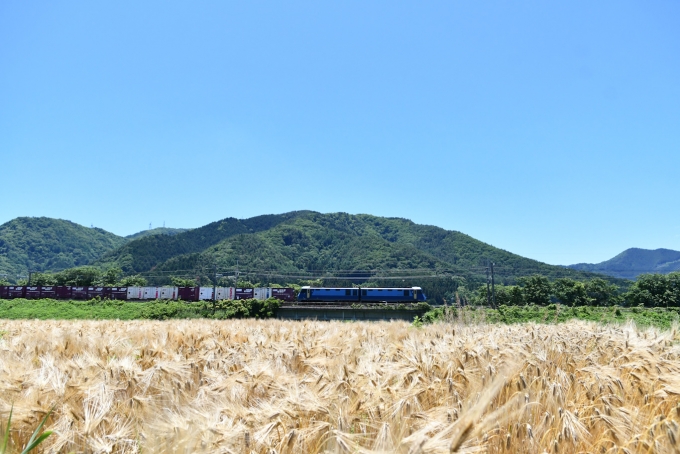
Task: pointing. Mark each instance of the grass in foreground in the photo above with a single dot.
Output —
(310, 387)
(643, 317)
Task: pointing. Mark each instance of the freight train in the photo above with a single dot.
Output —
(306, 294)
(146, 293)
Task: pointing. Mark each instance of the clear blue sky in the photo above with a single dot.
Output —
(549, 129)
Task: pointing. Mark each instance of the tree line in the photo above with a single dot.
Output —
(649, 290)
(83, 276)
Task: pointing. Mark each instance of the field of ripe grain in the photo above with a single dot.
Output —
(306, 387)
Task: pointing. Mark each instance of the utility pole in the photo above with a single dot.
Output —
(488, 283)
(215, 289)
(493, 288)
(30, 273)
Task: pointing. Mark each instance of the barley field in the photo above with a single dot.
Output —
(246, 386)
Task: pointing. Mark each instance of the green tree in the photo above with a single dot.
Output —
(570, 292)
(111, 277)
(182, 282)
(132, 281)
(601, 292)
(536, 289)
(79, 276)
(655, 290)
(45, 279)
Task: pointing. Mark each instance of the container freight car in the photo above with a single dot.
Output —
(262, 293)
(79, 293)
(48, 292)
(135, 293)
(244, 293)
(32, 293)
(205, 293)
(188, 293)
(95, 292)
(283, 294)
(225, 293)
(16, 291)
(116, 293)
(63, 292)
(150, 293)
(167, 293)
(145, 293)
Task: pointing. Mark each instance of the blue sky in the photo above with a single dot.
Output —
(549, 129)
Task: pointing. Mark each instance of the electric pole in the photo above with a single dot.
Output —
(214, 298)
(493, 287)
(488, 283)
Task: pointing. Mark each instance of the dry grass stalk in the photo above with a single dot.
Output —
(308, 387)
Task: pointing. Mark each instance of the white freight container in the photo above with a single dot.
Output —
(225, 293)
(263, 293)
(150, 293)
(135, 293)
(205, 293)
(167, 293)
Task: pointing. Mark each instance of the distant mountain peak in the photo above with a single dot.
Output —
(632, 262)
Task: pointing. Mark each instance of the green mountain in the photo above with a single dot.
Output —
(632, 262)
(146, 252)
(341, 248)
(45, 244)
(157, 231)
(337, 248)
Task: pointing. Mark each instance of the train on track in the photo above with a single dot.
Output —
(305, 295)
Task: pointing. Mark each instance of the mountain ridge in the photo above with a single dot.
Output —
(633, 262)
(297, 242)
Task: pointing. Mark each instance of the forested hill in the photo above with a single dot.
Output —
(634, 261)
(46, 244)
(293, 243)
(283, 247)
(145, 253)
(157, 231)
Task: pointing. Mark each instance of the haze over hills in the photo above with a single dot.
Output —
(634, 261)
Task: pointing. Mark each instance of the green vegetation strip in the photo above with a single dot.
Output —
(48, 309)
(555, 313)
(96, 309)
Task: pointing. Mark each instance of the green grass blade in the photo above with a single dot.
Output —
(37, 441)
(33, 442)
(6, 440)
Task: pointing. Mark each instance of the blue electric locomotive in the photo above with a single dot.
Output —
(365, 295)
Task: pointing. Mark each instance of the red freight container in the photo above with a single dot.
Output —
(48, 292)
(115, 293)
(63, 292)
(79, 293)
(244, 293)
(32, 293)
(188, 293)
(16, 292)
(283, 294)
(93, 292)
(3, 291)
